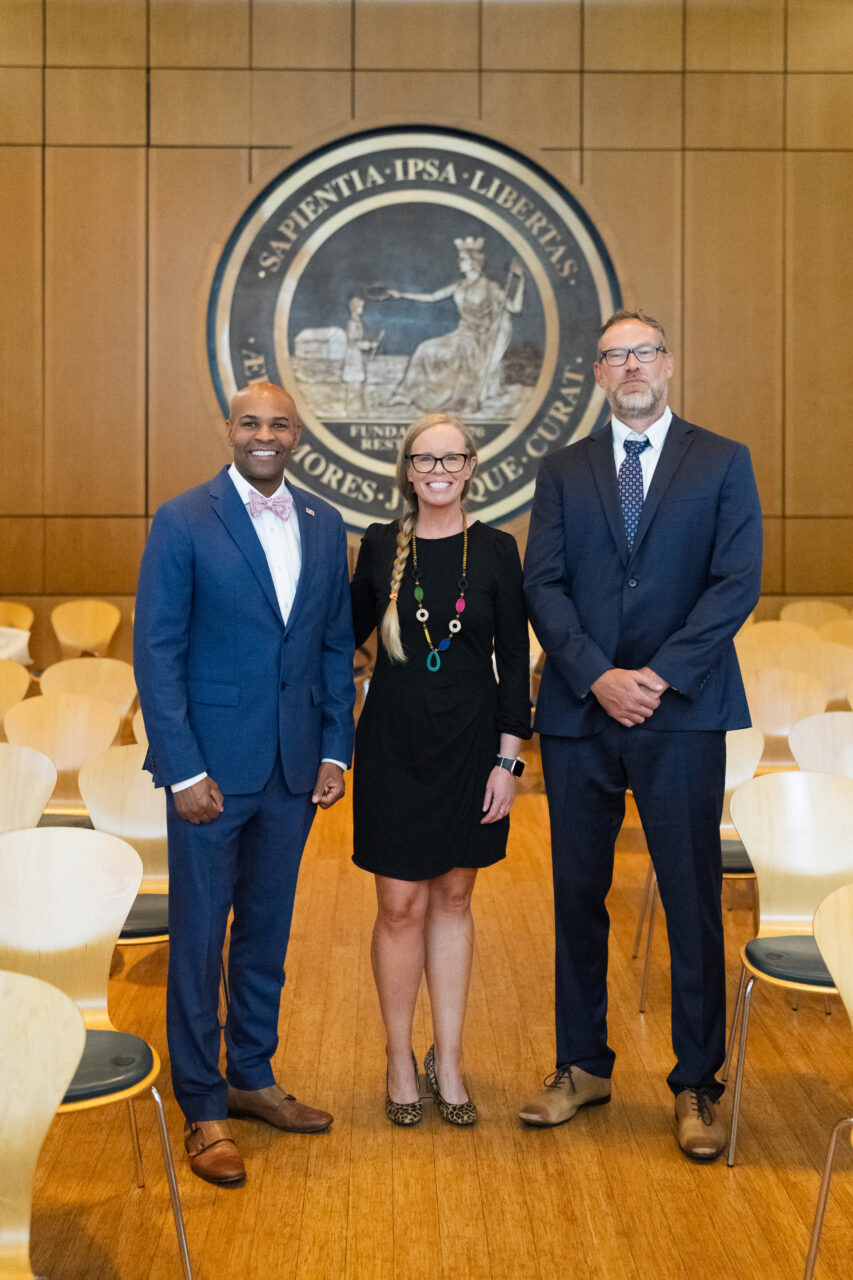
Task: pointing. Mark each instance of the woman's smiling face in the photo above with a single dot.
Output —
(439, 488)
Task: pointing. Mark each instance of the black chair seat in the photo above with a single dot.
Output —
(790, 959)
(736, 859)
(112, 1061)
(148, 915)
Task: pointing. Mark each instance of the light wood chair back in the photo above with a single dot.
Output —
(27, 780)
(796, 828)
(777, 699)
(813, 613)
(41, 1042)
(106, 678)
(840, 632)
(831, 663)
(743, 752)
(824, 743)
(85, 626)
(757, 648)
(13, 614)
(68, 728)
(833, 929)
(14, 683)
(138, 728)
(121, 798)
(777, 633)
(66, 894)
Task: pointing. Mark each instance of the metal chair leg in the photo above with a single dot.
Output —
(795, 1003)
(741, 1059)
(822, 1198)
(643, 909)
(827, 1006)
(224, 994)
(137, 1150)
(649, 937)
(174, 1194)
(733, 1030)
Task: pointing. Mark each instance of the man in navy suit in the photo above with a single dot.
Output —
(643, 560)
(243, 652)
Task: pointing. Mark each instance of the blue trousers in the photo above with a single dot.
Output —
(678, 781)
(247, 858)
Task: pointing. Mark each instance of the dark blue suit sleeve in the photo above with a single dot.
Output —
(338, 650)
(574, 655)
(160, 643)
(689, 654)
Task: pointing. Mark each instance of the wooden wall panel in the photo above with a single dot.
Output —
(734, 110)
(302, 33)
(820, 35)
(532, 35)
(20, 105)
(631, 111)
(772, 575)
(820, 110)
(200, 108)
(732, 318)
(818, 556)
(22, 32)
(194, 33)
(204, 191)
(96, 33)
(86, 106)
(620, 35)
(21, 556)
(730, 35)
(317, 101)
(93, 557)
(95, 330)
(416, 95)
(819, 286)
(544, 106)
(416, 34)
(21, 408)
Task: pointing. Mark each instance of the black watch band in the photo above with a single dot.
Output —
(513, 764)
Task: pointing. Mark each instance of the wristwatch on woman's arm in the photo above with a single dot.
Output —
(513, 765)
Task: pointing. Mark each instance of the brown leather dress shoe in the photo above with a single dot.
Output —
(213, 1155)
(277, 1108)
(702, 1135)
(566, 1091)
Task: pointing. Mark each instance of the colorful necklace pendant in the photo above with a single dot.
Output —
(422, 613)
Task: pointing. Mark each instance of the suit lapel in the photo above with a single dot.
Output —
(679, 437)
(233, 514)
(307, 535)
(604, 471)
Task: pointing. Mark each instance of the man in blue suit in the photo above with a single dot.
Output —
(643, 560)
(243, 651)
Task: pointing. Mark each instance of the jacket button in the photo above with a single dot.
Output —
(284, 639)
(632, 582)
(284, 684)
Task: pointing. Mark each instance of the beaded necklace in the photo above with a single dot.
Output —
(422, 614)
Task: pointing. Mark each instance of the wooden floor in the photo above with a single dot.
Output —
(608, 1196)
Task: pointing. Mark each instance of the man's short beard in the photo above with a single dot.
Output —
(638, 404)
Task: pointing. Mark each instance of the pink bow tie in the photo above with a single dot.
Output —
(281, 505)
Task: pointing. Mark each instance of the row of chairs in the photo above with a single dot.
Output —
(80, 626)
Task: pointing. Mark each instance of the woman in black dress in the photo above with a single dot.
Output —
(436, 746)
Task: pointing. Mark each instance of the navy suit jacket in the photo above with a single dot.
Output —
(673, 604)
(224, 684)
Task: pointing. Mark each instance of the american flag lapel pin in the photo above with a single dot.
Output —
(308, 511)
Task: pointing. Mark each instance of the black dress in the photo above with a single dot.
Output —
(426, 741)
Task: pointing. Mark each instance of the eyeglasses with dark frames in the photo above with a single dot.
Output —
(423, 463)
(646, 353)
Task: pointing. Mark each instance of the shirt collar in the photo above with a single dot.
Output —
(241, 484)
(655, 434)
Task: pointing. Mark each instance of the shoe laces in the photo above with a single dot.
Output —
(556, 1078)
(703, 1105)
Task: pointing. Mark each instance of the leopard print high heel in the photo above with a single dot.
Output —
(404, 1114)
(460, 1113)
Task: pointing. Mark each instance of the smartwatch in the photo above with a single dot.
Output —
(513, 764)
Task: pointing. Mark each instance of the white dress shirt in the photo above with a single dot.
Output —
(282, 546)
(655, 434)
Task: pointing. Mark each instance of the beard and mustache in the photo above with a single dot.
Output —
(639, 403)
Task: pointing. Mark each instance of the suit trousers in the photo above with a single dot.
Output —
(247, 858)
(678, 782)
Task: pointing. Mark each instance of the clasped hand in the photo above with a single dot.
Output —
(630, 697)
(202, 802)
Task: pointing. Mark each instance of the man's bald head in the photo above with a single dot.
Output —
(263, 429)
(256, 393)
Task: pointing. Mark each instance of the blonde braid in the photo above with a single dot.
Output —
(389, 629)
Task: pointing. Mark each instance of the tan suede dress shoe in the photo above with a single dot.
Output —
(277, 1108)
(213, 1154)
(702, 1135)
(565, 1092)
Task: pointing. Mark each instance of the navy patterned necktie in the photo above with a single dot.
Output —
(631, 486)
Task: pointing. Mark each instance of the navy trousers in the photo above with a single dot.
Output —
(678, 781)
(247, 858)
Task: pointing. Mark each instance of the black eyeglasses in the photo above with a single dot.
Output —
(646, 353)
(423, 463)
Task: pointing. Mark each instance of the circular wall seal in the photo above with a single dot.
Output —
(405, 271)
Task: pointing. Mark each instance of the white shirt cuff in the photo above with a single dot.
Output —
(190, 782)
(339, 763)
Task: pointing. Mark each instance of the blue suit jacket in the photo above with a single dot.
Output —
(224, 685)
(673, 604)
